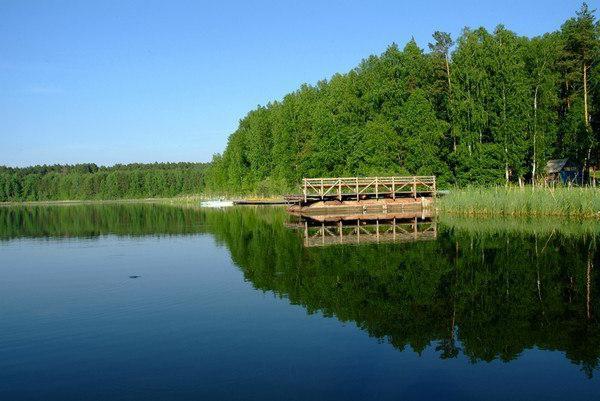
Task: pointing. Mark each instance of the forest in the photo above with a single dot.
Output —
(89, 181)
(485, 108)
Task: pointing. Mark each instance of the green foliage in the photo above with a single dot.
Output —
(88, 181)
(421, 135)
(488, 108)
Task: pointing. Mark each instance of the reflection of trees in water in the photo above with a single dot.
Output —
(96, 219)
(488, 294)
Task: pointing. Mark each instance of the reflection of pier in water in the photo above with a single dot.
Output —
(332, 229)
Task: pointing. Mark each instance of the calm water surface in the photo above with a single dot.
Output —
(230, 304)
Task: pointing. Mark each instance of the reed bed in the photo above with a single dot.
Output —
(527, 201)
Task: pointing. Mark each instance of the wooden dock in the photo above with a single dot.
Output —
(363, 192)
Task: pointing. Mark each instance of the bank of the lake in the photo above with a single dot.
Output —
(574, 202)
(527, 201)
(176, 200)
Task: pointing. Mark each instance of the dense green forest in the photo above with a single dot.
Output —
(89, 181)
(483, 108)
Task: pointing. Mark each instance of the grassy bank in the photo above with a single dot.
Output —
(496, 201)
(176, 200)
(527, 201)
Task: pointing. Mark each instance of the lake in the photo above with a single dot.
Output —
(157, 302)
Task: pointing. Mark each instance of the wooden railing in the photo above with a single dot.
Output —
(351, 187)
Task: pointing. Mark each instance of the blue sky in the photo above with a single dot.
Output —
(142, 81)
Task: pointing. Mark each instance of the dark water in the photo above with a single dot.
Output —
(232, 305)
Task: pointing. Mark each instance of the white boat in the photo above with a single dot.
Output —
(216, 203)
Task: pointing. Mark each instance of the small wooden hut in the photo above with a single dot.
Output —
(562, 171)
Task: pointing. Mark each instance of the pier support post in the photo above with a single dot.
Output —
(304, 180)
(306, 233)
(415, 230)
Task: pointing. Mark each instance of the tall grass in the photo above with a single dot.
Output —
(527, 201)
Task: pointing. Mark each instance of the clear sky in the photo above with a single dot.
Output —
(142, 81)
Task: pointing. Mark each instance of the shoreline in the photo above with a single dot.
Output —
(186, 199)
(99, 201)
(574, 203)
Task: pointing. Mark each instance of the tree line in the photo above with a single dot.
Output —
(486, 108)
(89, 181)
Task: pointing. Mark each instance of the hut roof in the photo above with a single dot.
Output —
(556, 165)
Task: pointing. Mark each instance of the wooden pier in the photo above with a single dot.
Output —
(363, 192)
